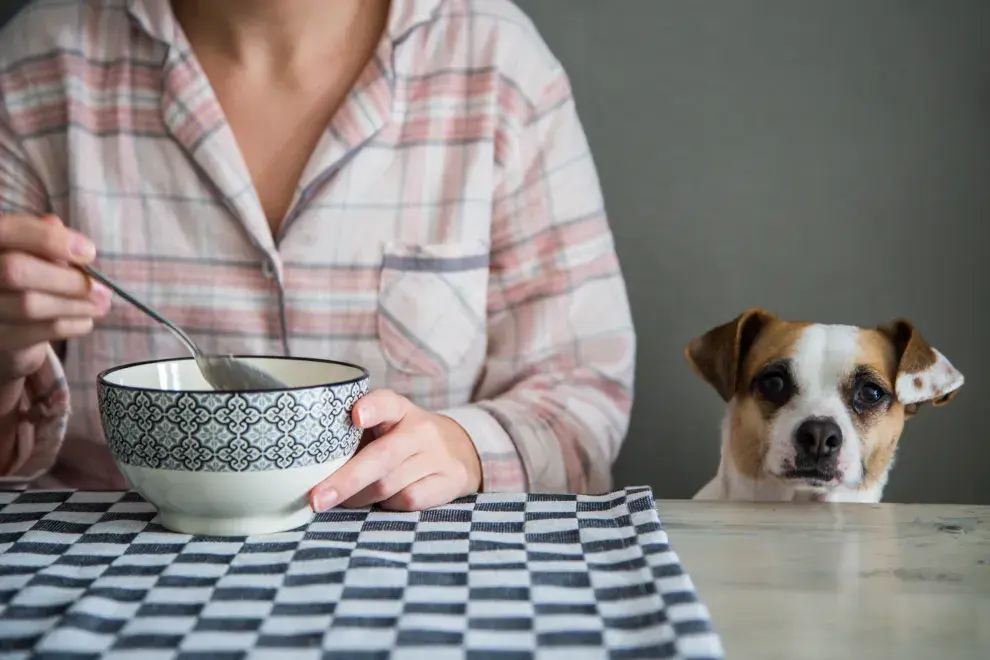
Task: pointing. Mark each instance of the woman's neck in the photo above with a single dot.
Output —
(281, 34)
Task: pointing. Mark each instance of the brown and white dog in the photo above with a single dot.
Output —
(814, 412)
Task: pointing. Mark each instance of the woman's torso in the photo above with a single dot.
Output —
(383, 257)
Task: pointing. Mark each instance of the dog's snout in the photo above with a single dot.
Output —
(818, 438)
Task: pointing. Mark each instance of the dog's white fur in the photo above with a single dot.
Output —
(822, 359)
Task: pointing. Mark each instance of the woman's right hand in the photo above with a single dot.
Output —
(42, 298)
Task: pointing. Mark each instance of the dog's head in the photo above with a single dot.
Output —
(819, 406)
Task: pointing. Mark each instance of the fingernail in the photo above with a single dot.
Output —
(82, 247)
(101, 296)
(100, 290)
(324, 500)
(365, 414)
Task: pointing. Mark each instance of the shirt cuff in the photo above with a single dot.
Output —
(502, 469)
(40, 428)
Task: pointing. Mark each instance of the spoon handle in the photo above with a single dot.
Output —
(122, 292)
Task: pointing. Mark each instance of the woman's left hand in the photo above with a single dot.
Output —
(416, 460)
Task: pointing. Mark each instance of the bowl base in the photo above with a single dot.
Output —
(184, 523)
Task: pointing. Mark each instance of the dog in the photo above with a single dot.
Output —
(814, 412)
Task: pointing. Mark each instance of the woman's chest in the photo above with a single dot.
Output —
(383, 257)
(424, 178)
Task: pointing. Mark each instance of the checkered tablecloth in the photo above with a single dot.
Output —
(493, 576)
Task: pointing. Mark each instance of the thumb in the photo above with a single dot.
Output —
(380, 407)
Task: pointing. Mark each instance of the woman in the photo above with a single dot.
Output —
(403, 185)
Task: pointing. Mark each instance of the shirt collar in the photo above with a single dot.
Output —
(155, 17)
(406, 15)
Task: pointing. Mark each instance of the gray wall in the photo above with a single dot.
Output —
(827, 160)
(8, 8)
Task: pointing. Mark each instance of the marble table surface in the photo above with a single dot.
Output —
(833, 581)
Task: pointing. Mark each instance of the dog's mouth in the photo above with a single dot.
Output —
(815, 477)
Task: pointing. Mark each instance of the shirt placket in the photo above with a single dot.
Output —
(193, 117)
(364, 113)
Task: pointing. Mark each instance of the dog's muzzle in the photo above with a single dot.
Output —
(817, 443)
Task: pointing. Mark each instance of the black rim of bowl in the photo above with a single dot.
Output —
(101, 378)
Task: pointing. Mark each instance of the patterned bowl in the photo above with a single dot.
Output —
(230, 463)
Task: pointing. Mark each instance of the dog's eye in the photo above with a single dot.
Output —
(774, 386)
(868, 395)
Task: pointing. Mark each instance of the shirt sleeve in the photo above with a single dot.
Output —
(43, 410)
(553, 405)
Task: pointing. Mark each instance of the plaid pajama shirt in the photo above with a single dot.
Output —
(448, 232)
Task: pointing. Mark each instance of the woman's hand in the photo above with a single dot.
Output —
(416, 460)
(42, 299)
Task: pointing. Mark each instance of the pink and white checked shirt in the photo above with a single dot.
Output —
(448, 232)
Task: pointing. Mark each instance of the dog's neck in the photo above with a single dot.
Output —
(730, 484)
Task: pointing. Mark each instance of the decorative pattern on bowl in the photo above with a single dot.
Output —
(230, 432)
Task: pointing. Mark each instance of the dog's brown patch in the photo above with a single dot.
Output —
(879, 429)
(916, 355)
(750, 437)
(778, 341)
(753, 415)
(877, 354)
(879, 449)
(717, 354)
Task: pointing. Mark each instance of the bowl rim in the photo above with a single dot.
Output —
(101, 378)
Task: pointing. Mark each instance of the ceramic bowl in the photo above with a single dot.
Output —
(230, 463)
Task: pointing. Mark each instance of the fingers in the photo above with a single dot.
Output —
(15, 365)
(42, 299)
(20, 336)
(428, 492)
(20, 271)
(49, 240)
(33, 306)
(380, 407)
(413, 469)
(398, 468)
(378, 459)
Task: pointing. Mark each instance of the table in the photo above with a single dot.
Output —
(812, 581)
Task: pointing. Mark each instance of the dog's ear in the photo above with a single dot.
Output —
(923, 374)
(716, 356)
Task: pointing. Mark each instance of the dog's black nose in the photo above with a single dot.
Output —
(818, 438)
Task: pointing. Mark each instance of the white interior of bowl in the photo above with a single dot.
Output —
(172, 375)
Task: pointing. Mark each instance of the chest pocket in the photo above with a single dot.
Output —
(432, 306)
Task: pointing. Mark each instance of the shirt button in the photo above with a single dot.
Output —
(267, 270)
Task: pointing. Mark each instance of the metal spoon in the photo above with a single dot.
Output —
(220, 371)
